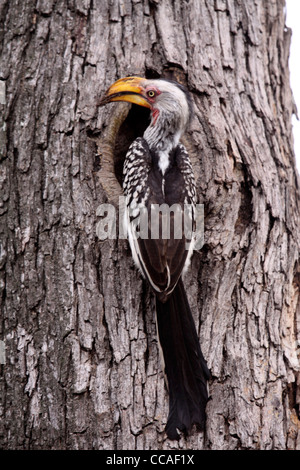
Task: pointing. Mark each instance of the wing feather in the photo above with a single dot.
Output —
(161, 260)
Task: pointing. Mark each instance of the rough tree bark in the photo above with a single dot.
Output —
(82, 368)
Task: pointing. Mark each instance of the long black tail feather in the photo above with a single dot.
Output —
(185, 366)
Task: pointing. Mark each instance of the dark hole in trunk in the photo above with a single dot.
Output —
(137, 120)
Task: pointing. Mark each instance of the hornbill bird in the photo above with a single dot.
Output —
(157, 170)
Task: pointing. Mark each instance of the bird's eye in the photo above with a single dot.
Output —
(151, 93)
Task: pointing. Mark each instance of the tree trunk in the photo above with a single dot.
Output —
(81, 367)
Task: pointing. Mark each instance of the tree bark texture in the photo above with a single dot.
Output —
(82, 368)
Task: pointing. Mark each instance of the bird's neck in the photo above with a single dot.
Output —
(163, 136)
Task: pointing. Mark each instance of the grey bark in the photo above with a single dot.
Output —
(82, 369)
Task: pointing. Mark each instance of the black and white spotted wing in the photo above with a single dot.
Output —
(161, 260)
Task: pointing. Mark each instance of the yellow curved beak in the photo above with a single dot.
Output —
(126, 89)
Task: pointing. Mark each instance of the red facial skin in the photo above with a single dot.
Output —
(155, 114)
(151, 100)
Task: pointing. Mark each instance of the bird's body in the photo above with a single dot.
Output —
(146, 186)
(158, 175)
